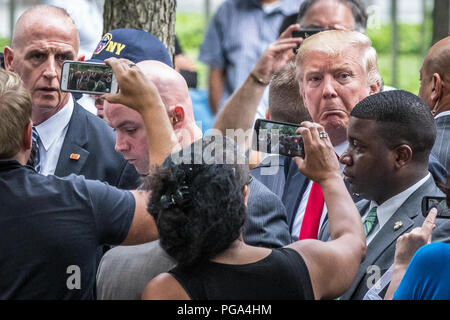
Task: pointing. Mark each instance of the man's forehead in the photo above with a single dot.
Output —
(329, 13)
(361, 128)
(319, 61)
(119, 114)
(57, 30)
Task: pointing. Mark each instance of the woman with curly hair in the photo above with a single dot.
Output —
(200, 211)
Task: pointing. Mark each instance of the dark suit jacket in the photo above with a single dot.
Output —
(380, 251)
(281, 175)
(92, 139)
(441, 148)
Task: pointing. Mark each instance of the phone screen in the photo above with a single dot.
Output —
(439, 203)
(305, 33)
(278, 138)
(85, 77)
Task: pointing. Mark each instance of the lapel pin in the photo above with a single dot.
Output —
(74, 156)
(398, 225)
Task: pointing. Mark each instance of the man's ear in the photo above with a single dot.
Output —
(375, 88)
(267, 114)
(436, 88)
(403, 155)
(176, 114)
(27, 136)
(8, 55)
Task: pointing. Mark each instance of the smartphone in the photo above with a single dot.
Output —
(88, 77)
(440, 203)
(278, 138)
(305, 33)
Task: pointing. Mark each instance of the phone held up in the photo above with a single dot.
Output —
(305, 33)
(439, 203)
(88, 77)
(278, 138)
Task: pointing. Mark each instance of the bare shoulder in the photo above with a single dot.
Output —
(164, 287)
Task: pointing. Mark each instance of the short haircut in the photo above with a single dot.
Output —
(338, 43)
(198, 204)
(15, 113)
(356, 6)
(401, 117)
(285, 101)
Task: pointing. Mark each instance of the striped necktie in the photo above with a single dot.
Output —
(35, 156)
(371, 221)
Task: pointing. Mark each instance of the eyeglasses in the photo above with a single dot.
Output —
(440, 203)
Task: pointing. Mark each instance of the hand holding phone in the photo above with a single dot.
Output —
(278, 138)
(88, 77)
(305, 33)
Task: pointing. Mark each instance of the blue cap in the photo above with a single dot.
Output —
(132, 44)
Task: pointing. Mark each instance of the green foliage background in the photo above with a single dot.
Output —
(413, 44)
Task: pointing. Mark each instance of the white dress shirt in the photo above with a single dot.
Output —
(387, 209)
(443, 113)
(51, 137)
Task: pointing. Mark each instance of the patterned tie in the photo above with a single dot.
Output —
(371, 221)
(35, 159)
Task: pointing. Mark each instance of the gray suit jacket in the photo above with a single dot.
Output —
(380, 251)
(124, 271)
(441, 148)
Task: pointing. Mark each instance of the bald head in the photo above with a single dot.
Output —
(171, 85)
(31, 22)
(44, 37)
(435, 77)
(437, 60)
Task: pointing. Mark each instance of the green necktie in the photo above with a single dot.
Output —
(371, 221)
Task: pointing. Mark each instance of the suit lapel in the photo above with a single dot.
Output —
(73, 146)
(387, 235)
(296, 184)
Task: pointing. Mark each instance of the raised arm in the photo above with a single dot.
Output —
(332, 265)
(240, 109)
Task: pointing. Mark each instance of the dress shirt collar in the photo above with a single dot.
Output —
(51, 129)
(442, 114)
(390, 206)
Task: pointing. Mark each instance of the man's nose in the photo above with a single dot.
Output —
(329, 90)
(346, 159)
(51, 67)
(121, 144)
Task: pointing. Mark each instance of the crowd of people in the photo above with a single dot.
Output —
(136, 203)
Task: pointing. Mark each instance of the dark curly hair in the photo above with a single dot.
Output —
(198, 207)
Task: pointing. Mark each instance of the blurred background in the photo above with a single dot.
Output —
(401, 32)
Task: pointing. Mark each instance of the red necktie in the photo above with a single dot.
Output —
(313, 212)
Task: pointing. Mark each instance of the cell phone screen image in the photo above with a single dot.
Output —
(87, 77)
(278, 138)
(439, 203)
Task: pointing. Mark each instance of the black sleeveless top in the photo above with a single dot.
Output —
(281, 275)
